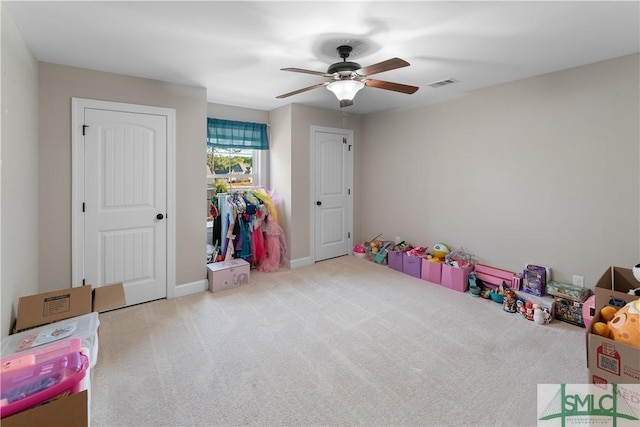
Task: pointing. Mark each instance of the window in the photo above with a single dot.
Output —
(236, 156)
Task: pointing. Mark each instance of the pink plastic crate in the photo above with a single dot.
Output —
(456, 278)
(411, 265)
(394, 260)
(431, 271)
(39, 354)
(39, 383)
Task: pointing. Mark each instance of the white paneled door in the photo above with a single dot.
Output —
(332, 165)
(125, 202)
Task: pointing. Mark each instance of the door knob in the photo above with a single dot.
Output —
(159, 216)
(318, 203)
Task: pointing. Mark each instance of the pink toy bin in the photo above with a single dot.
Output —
(38, 383)
(431, 271)
(39, 354)
(456, 278)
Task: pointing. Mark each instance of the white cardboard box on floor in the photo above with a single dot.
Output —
(227, 274)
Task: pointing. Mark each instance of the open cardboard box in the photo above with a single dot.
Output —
(68, 411)
(41, 309)
(49, 307)
(610, 361)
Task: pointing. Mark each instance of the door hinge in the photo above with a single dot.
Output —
(344, 139)
(349, 235)
(84, 127)
(348, 191)
(83, 282)
(83, 206)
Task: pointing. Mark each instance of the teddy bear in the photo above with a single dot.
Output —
(625, 325)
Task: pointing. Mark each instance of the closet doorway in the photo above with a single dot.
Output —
(331, 190)
(123, 198)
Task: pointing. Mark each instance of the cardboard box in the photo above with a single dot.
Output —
(609, 361)
(69, 411)
(48, 307)
(431, 271)
(567, 291)
(227, 274)
(534, 280)
(411, 265)
(569, 311)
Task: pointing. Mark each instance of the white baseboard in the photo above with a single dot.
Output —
(300, 262)
(191, 288)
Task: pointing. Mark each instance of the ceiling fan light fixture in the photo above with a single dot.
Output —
(345, 90)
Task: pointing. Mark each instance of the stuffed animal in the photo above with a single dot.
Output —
(625, 325)
(636, 272)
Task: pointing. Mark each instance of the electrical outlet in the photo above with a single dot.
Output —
(578, 281)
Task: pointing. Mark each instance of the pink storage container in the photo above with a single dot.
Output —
(394, 259)
(456, 278)
(41, 382)
(411, 265)
(431, 271)
(39, 354)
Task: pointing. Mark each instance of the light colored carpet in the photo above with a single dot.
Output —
(342, 342)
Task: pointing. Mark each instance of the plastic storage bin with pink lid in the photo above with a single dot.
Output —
(39, 354)
(83, 327)
(51, 375)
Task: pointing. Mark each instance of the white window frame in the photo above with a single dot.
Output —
(259, 171)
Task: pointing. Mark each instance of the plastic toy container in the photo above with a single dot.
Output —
(84, 327)
(33, 385)
(39, 354)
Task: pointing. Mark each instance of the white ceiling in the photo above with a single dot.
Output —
(236, 49)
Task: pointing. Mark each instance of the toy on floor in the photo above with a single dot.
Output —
(624, 327)
(509, 300)
(588, 310)
(474, 285)
(636, 272)
(440, 251)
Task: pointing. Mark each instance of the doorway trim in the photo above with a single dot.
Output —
(312, 171)
(77, 182)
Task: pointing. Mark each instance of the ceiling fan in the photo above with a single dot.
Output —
(349, 77)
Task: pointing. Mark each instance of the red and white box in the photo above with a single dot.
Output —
(227, 274)
(610, 361)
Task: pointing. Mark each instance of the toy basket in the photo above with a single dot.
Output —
(379, 257)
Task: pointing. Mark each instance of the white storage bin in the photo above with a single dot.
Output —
(84, 327)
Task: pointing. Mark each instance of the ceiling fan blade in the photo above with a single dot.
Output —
(389, 64)
(301, 70)
(295, 92)
(396, 87)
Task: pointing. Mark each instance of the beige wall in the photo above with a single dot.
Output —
(19, 172)
(57, 85)
(289, 157)
(301, 120)
(543, 170)
(228, 112)
(280, 177)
